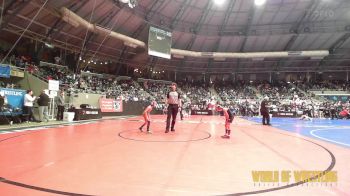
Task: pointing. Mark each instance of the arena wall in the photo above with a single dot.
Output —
(34, 83)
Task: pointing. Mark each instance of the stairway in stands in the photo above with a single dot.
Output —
(215, 94)
(137, 85)
(257, 93)
(317, 98)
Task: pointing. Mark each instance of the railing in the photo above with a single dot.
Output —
(155, 81)
(329, 89)
(42, 63)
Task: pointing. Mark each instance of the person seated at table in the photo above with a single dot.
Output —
(2, 100)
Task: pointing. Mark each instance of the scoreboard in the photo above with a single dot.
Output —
(159, 42)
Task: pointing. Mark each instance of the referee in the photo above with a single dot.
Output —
(264, 110)
(173, 101)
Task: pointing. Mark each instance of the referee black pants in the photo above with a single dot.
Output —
(173, 109)
(60, 111)
(266, 117)
(333, 114)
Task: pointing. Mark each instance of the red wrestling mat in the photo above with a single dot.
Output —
(113, 157)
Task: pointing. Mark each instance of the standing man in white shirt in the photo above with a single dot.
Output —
(28, 105)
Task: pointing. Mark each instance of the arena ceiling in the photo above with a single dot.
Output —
(198, 25)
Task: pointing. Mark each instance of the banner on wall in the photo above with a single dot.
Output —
(284, 114)
(202, 112)
(15, 97)
(111, 105)
(5, 71)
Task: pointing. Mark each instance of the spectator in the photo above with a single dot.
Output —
(60, 105)
(43, 103)
(344, 114)
(28, 106)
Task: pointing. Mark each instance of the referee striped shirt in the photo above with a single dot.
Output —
(173, 97)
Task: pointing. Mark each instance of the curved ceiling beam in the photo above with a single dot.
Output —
(75, 20)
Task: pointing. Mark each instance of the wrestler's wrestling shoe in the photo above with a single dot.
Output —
(225, 137)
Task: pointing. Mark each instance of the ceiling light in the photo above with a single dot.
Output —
(131, 3)
(219, 2)
(49, 45)
(260, 2)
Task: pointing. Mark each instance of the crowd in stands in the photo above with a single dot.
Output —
(9, 85)
(243, 97)
(237, 90)
(278, 90)
(126, 90)
(196, 93)
(324, 85)
(157, 90)
(14, 59)
(282, 96)
(196, 96)
(60, 73)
